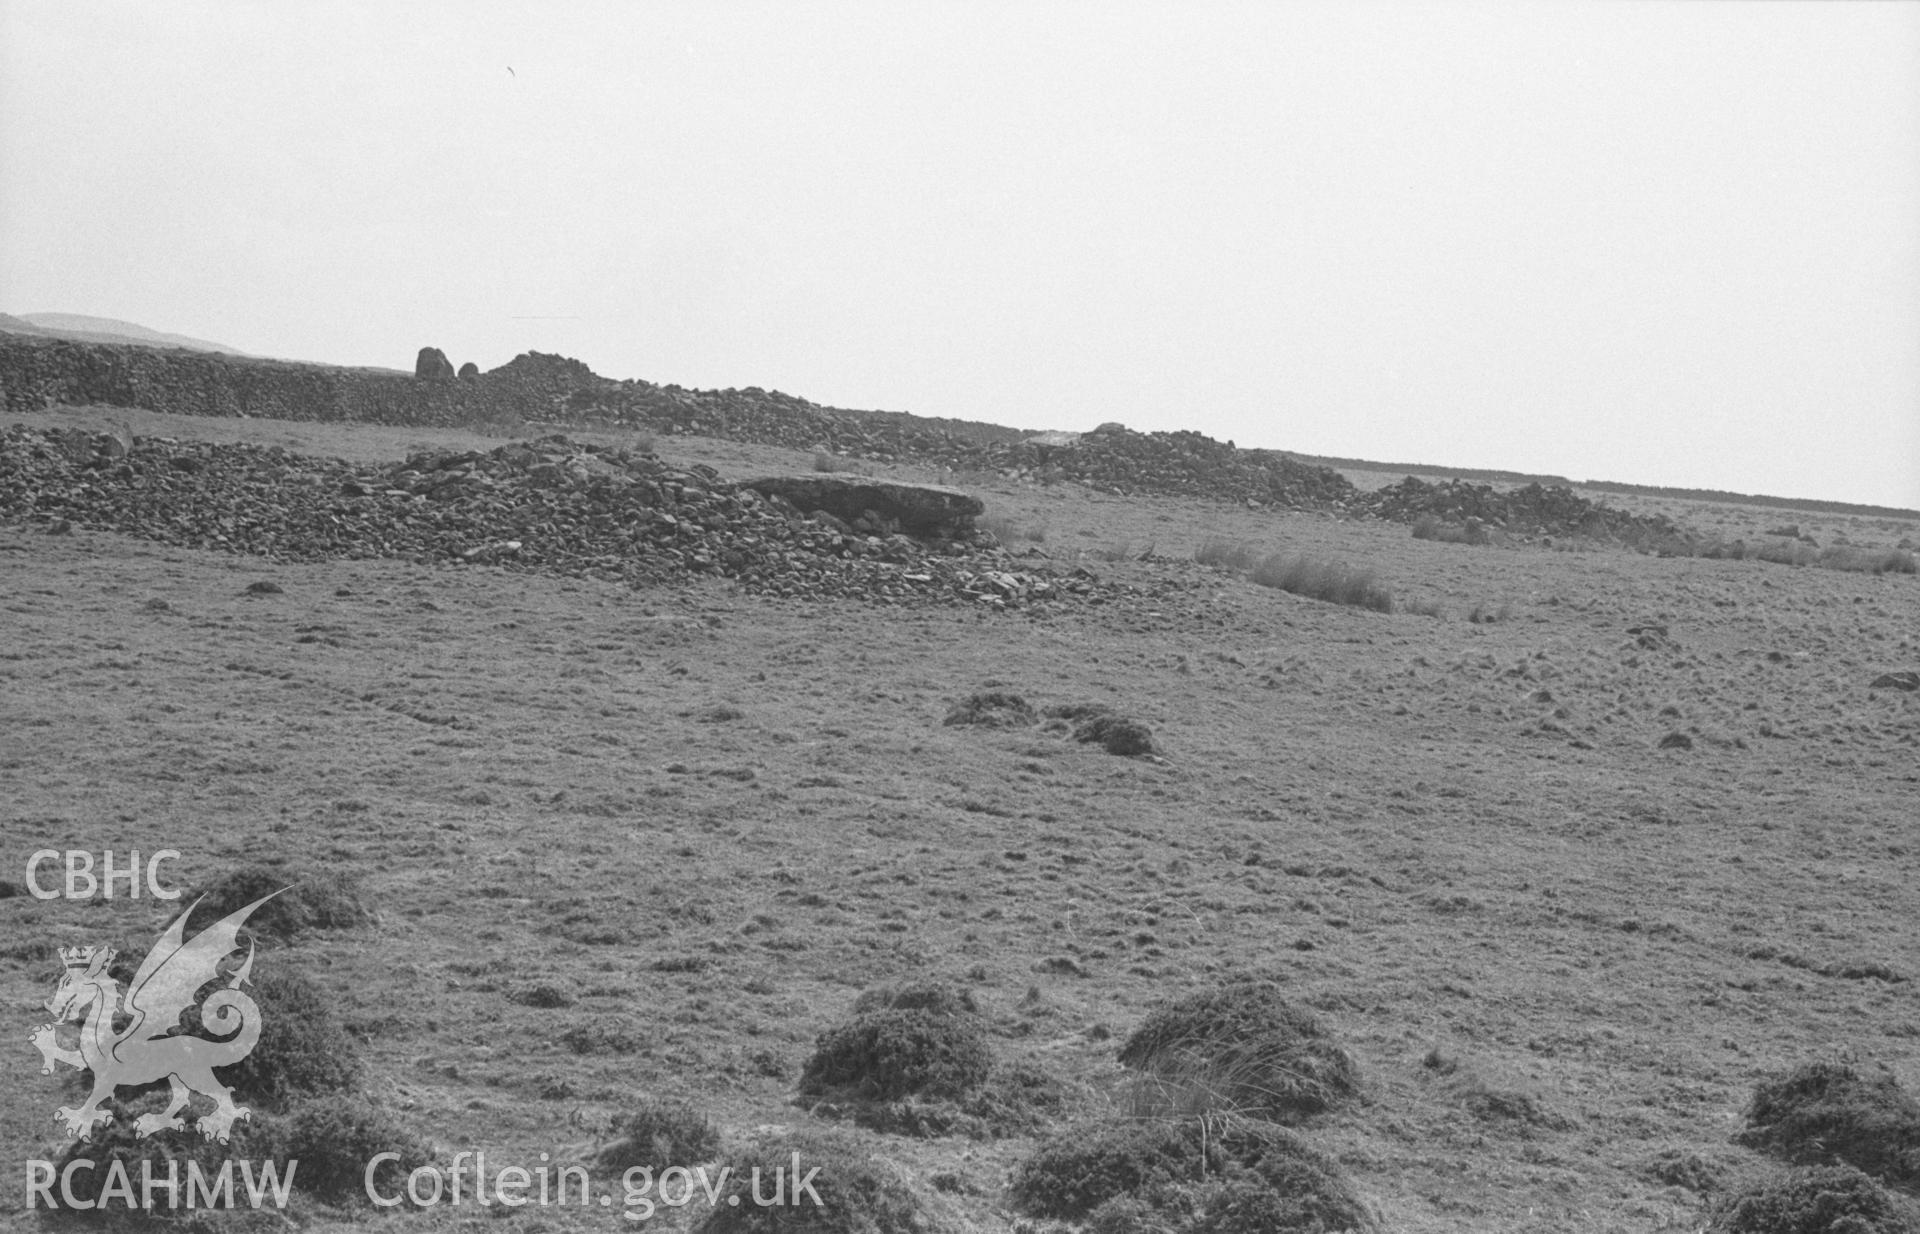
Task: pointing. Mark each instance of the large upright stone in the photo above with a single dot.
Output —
(433, 365)
(923, 510)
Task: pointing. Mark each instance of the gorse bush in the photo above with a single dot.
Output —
(302, 1049)
(1321, 579)
(660, 1135)
(335, 1140)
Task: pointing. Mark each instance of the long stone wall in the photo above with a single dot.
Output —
(536, 390)
(39, 372)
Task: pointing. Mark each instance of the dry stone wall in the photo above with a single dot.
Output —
(536, 389)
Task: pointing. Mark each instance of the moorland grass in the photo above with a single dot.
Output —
(1240, 1048)
(1827, 1112)
(1319, 578)
(1812, 1200)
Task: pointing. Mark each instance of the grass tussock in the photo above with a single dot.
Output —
(660, 1135)
(829, 463)
(1813, 1200)
(1823, 1113)
(307, 900)
(1322, 579)
(1232, 555)
(1009, 531)
(302, 1050)
(890, 1054)
(848, 1191)
(1189, 1176)
(1432, 527)
(1242, 1049)
(993, 709)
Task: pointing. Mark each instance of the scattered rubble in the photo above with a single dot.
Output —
(550, 504)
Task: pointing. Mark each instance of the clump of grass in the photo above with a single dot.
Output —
(336, 1138)
(992, 709)
(1322, 579)
(938, 997)
(659, 1135)
(1433, 527)
(302, 1050)
(1821, 1113)
(1786, 553)
(1241, 1048)
(1190, 1176)
(1227, 555)
(251, 1139)
(849, 1191)
(1867, 560)
(308, 900)
(1115, 734)
(825, 462)
(887, 1055)
(1814, 1200)
(1123, 551)
(1010, 531)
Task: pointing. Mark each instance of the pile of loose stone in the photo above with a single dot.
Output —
(549, 505)
(1533, 508)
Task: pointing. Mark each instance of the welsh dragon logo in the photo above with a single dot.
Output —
(142, 1039)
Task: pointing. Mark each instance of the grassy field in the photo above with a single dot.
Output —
(1561, 944)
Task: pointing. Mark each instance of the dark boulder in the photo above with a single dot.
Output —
(922, 510)
(433, 365)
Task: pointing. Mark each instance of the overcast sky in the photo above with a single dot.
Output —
(1661, 243)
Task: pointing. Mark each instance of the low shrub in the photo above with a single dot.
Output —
(118, 1141)
(1189, 1176)
(336, 1138)
(308, 900)
(1320, 579)
(887, 1055)
(1115, 734)
(658, 1135)
(919, 994)
(992, 709)
(840, 1188)
(1814, 1200)
(302, 1050)
(1240, 1048)
(1824, 1113)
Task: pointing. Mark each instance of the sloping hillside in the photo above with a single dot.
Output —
(106, 330)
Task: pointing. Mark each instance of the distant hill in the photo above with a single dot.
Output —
(105, 330)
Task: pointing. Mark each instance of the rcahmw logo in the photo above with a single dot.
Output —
(139, 1040)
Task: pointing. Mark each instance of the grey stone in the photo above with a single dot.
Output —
(920, 510)
(433, 365)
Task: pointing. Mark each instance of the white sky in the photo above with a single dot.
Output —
(1662, 243)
